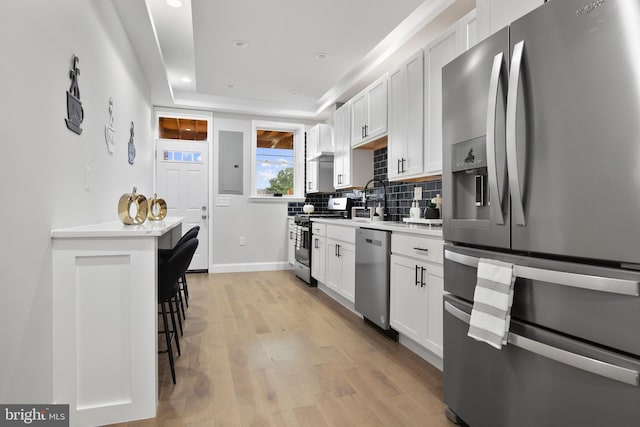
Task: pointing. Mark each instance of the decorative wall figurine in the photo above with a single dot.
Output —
(75, 112)
(132, 147)
(109, 131)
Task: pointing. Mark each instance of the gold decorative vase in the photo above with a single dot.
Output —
(132, 208)
(157, 208)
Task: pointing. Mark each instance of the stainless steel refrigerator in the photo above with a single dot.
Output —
(541, 152)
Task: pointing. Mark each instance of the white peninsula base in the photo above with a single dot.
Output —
(105, 319)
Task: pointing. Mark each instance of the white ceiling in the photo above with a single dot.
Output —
(277, 73)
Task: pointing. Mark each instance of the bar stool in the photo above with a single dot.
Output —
(169, 271)
(166, 253)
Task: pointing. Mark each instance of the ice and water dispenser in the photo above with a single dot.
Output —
(470, 188)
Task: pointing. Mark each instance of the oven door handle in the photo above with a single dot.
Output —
(588, 364)
(582, 281)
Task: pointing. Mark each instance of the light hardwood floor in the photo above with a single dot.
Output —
(264, 349)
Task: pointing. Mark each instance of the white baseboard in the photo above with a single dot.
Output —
(249, 267)
(339, 298)
(427, 355)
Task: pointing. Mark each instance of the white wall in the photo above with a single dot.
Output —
(262, 223)
(42, 164)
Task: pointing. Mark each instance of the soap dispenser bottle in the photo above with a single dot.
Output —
(414, 212)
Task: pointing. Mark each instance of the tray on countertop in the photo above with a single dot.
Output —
(424, 221)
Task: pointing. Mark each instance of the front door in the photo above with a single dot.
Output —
(182, 181)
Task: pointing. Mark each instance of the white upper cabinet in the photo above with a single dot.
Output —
(468, 31)
(405, 137)
(369, 113)
(319, 176)
(319, 141)
(320, 149)
(437, 54)
(351, 168)
(342, 154)
(494, 15)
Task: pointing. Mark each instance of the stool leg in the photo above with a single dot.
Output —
(184, 314)
(176, 302)
(168, 339)
(175, 326)
(185, 289)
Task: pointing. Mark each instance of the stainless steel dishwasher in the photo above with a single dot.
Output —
(372, 275)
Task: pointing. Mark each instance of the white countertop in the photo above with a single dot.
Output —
(402, 227)
(118, 229)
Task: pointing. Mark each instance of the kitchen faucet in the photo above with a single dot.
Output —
(384, 188)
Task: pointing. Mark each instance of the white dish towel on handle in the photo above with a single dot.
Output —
(492, 301)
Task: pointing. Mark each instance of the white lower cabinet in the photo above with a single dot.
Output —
(417, 287)
(341, 268)
(318, 252)
(341, 261)
(291, 241)
(319, 258)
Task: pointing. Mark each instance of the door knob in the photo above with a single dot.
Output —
(204, 216)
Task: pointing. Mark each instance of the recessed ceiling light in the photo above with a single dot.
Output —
(321, 56)
(174, 3)
(292, 93)
(185, 79)
(231, 86)
(241, 44)
(187, 129)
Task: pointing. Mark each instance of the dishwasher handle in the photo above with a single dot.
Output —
(373, 242)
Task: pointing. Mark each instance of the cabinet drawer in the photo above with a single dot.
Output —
(416, 246)
(318, 229)
(346, 234)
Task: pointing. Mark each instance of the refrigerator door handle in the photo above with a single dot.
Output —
(575, 280)
(494, 81)
(594, 366)
(512, 153)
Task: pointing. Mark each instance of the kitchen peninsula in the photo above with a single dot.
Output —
(104, 319)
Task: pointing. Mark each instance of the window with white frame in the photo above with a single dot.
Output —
(277, 155)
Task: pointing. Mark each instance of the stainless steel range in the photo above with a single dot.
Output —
(338, 208)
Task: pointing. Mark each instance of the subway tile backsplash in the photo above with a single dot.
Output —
(399, 194)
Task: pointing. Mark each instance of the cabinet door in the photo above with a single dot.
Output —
(376, 123)
(312, 177)
(438, 54)
(347, 255)
(397, 138)
(408, 300)
(333, 273)
(467, 31)
(434, 285)
(359, 114)
(291, 247)
(325, 138)
(312, 142)
(414, 165)
(406, 118)
(493, 15)
(342, 156)
(318, 258)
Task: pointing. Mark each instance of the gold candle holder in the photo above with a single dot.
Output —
(132, 202)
